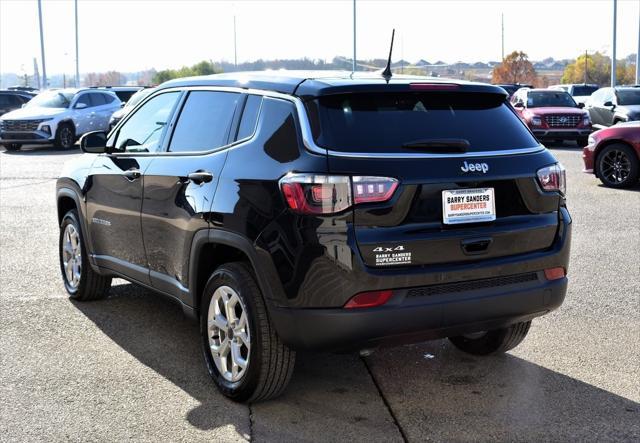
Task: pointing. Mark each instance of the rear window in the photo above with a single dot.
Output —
(384, 122)
(581, 91)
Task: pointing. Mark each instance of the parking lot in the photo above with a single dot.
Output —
(129, 366)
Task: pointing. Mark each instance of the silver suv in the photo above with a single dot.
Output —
(59, 117)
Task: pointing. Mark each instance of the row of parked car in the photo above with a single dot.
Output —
(61, 116)
(572, 112)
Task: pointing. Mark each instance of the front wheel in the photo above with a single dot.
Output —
(80, 280)
(243, 353)
(618, 166)
(65, 136)
(496, 341)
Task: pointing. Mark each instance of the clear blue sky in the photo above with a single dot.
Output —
(131, 35)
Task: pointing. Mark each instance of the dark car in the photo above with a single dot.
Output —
(329, 211)
(124, 93)
(12, 100)
(613, 155)
(552, 115)
(610, 106)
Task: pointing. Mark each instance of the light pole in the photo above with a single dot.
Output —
(77, 82)
(353, 68)
(235, 46)
(613, 55)
(638, 50)
(44, 66)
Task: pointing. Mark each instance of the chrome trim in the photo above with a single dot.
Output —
(307, 136)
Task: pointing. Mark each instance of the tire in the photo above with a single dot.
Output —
(617, 166)
(65, 136)
(496, 341)
(268, 362)
(85, 284)
(13, 147)
(582, 141)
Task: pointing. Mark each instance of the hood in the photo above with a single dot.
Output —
(32, 113)
(556, 110)
(629, 109)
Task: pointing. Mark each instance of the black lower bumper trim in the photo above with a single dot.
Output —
(455, 314)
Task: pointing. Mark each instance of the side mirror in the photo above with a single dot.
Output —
(608, 103)
(94, 142)
(518, 105)
(80, 105)
(580, 105)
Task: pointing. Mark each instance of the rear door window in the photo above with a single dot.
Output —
(249, 117)
(204, 122)
(97, 99)
(389, 121)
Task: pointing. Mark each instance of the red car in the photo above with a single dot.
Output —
(552, 115)
(613, 155)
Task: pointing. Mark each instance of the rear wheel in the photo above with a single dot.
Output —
(496, 341)
(65, 136)
(244, 355)
(617, 166)
(80, 280)
(13, 146)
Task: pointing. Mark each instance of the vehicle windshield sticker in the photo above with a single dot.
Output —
(389, 256)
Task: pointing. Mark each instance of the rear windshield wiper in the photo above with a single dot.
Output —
(439, 145)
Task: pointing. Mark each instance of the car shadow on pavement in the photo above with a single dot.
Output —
(451, 396)
(41, 150)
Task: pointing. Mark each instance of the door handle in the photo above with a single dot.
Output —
(476, 246)
(199, 177)
(132, 174)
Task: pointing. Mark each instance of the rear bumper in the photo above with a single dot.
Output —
(405, 320)
(588, 159)
(435, 301)
(564, 134)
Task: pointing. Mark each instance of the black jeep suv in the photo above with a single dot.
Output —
(290, 211)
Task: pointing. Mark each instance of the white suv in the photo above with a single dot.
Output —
(59, 117)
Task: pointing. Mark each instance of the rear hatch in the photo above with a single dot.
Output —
(466, 169)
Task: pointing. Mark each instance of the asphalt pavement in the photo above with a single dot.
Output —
(129, 366)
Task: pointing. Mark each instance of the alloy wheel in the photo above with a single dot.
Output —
(616, 166)
(66, 137)
(71, 256)
(228, 333)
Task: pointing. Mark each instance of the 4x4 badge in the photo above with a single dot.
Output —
(475, 167)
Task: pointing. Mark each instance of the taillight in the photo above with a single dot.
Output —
(554, 273)
(434, 86)
(373, 189)
(369, 299)
(553, 178)
(316, 194)
(330, 194)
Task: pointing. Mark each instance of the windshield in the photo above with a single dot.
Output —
(137, 97)
(582, 91)
(544, 99)
(628, 96)
(51, 99)
(412, 121)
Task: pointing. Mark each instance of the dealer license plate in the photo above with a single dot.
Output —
(468, 206)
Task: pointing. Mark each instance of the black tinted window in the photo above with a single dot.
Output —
(108, 98)
(204, 122)
(6, 100)
(581, 91)
(124, 96)
(629, 96)
(545, 99)
(249, 116)
(384, 122)
(143, 131)
(97, 99)
(84, 98)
